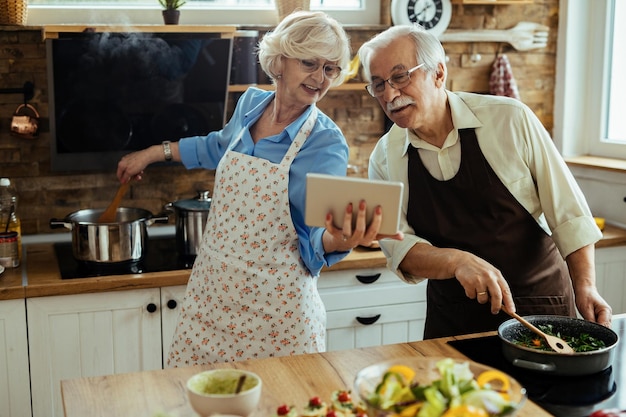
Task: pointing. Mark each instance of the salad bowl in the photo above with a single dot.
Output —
(437, 386)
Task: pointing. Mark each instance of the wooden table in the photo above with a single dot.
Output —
(292, 380)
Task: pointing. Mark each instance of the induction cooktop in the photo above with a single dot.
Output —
(161, 254)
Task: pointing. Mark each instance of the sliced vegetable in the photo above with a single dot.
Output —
(456, 394)
(406, 372)
(465, 411)
(435, 404)
(495, 380)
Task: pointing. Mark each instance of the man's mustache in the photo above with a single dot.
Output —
(399, 102)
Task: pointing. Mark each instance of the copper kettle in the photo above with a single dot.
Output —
(25, 122)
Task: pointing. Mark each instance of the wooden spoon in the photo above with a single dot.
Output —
(110, 214)
(557, 344)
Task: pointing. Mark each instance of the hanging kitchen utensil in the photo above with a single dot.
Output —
(110, 214)
(524, 36)
(25, 122)
(556, 343)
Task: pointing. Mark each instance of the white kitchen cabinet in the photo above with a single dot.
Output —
(611, 276)
(171, 301)
(14, 378)
(84, 335)
(371, 307)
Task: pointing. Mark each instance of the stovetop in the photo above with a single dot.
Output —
(160, 254)
(563, 396)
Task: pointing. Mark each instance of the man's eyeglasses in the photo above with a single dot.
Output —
(330, 71)
(397, 81)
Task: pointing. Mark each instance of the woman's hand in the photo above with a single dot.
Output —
(345, 238)
(133, 164)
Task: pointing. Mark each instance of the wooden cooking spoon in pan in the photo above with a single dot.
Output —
(557, 344)
(110, 214)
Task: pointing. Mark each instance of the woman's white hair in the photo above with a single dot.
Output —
(428, 48)
(305, 35)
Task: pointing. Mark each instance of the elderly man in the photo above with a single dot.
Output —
(492, 215)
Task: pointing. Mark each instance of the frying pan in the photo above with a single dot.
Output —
(580, 363)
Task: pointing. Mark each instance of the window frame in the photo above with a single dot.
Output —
(191, 14)
(582, 80)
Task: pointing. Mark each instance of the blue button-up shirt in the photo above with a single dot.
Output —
(325, 151)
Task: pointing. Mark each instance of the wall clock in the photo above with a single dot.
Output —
(433, 15)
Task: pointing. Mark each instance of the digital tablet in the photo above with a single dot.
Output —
(330, 193)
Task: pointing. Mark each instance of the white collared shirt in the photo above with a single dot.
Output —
(521, 153)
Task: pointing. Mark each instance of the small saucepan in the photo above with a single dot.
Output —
(191, 218)
(548, 362)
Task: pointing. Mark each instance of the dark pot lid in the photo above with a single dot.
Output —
(201, 203)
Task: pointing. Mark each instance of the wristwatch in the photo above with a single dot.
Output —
(167, 150)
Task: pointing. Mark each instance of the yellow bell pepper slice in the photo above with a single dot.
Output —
(465, 411)
(411, 410)
(406, 372)
(495, 380)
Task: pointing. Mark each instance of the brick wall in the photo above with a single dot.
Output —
(45, 194)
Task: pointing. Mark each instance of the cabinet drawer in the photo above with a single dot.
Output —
(366, 276)
(377, 315)
(372, 295)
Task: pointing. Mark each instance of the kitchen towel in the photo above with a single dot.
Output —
(501, 82)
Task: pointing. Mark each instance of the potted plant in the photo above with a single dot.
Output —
(171, 14)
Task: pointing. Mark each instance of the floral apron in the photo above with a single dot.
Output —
(249, 294)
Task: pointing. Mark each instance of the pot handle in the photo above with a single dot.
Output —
(159, 218)
(534, 366)
(169, 207)
(57, 224)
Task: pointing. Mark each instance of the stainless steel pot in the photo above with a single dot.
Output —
(580, 363)
(191, 218)
(121, 241)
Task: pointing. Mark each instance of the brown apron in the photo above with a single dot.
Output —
(475, 212)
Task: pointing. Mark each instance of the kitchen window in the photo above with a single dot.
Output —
(194, 12)
(590, 94)
(212, 4)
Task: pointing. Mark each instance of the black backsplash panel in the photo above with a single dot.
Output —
(113, 93)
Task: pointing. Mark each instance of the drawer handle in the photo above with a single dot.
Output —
(368, 279)
(368, 320)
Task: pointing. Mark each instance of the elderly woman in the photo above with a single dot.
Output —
(253, 288)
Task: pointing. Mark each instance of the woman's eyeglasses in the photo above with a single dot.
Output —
(330, 71)
(397, 81)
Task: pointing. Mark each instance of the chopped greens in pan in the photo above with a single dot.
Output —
(581, 343)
